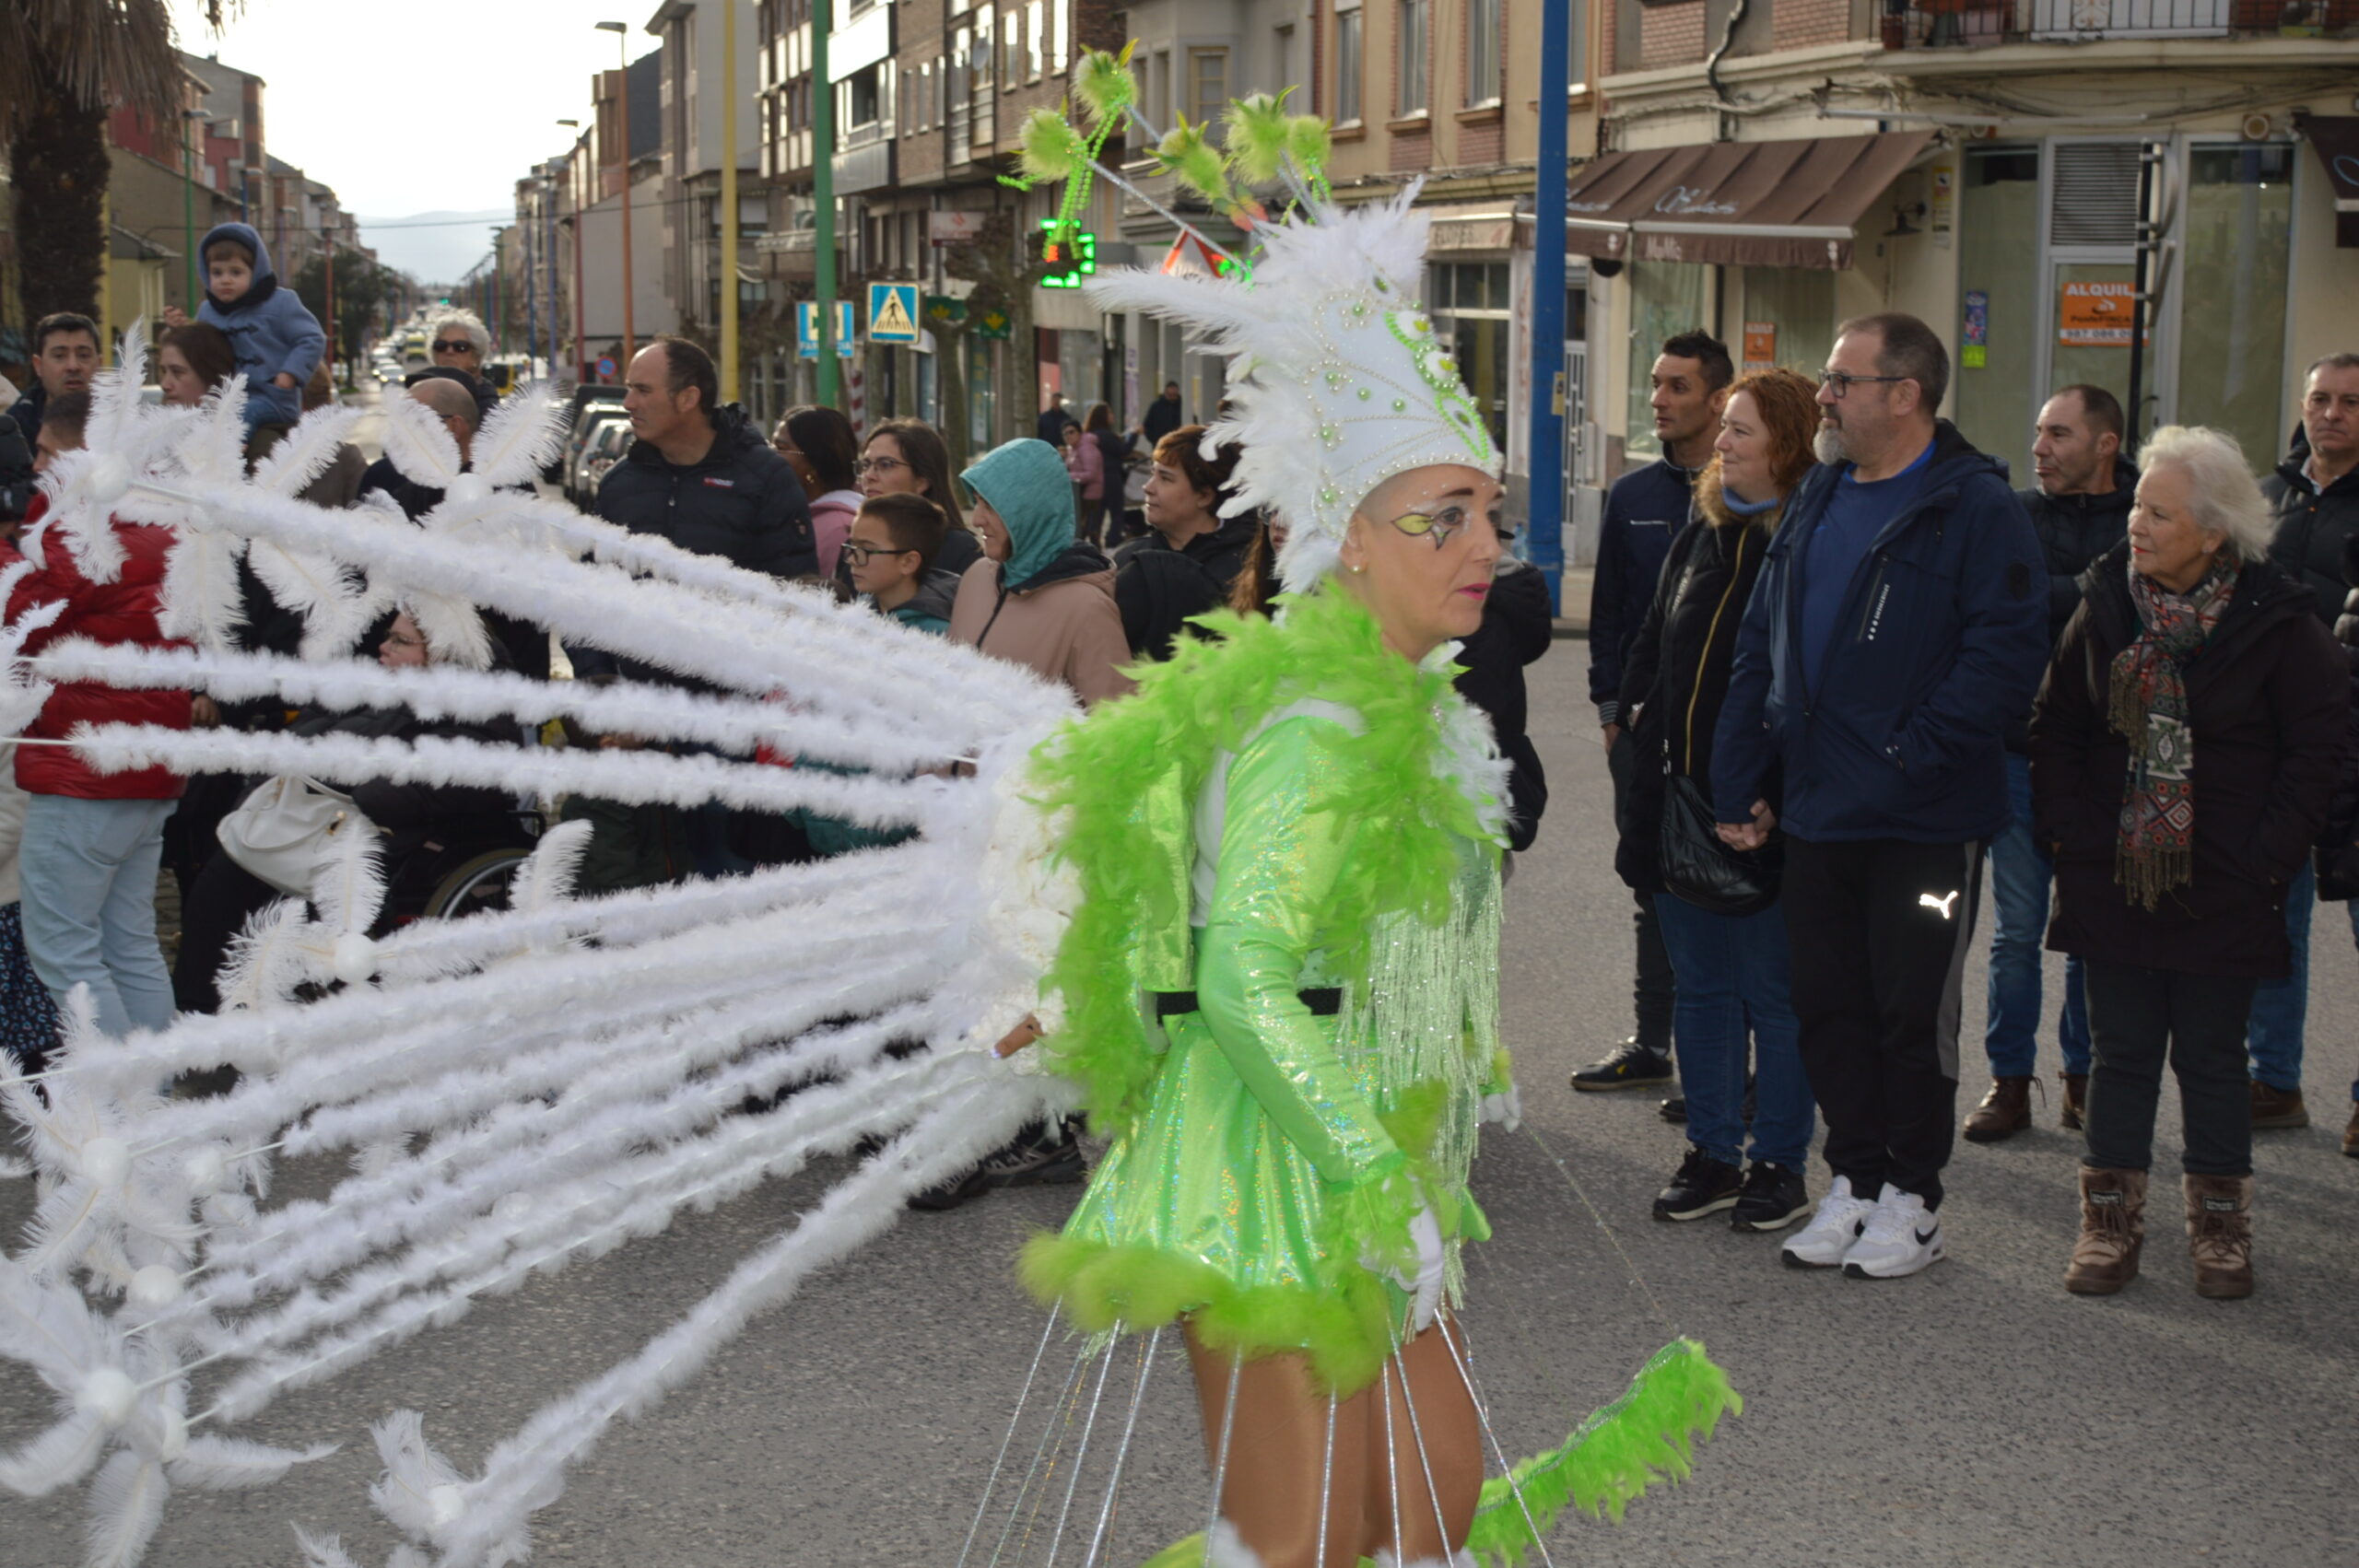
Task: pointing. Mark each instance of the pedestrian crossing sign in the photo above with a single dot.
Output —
(893, 312)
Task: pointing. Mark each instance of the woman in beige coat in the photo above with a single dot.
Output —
(1039, 597)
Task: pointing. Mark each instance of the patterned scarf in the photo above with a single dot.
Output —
(2155, 849)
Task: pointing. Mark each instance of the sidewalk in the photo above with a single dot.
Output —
(1574, 622)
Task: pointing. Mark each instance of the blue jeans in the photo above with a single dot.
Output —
(2021, 874)
(2281, 1008)
(87, 870)
(1734, 973)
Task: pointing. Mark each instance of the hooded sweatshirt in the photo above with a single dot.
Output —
(1050, 607)
(269, 330)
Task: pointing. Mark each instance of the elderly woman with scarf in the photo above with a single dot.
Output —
(2184, 755)
(1039, 597)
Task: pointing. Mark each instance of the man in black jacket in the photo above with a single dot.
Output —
(2315, 494)
(2079, 510)
(1644, 511)
(65, 356)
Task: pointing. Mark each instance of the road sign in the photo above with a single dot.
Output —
(806, 330)
(606, 366)
(892, 313)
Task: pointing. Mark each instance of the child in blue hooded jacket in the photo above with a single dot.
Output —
(278, 341)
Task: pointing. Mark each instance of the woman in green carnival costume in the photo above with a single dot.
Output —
(1279, 983)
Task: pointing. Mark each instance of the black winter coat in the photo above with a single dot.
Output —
(1677, 677)
(1157, 588)
(2338, 851)
(1517, 629)
(16, 462)
(2312, 527)
(741, 502)
(2271, 713)
(2073, 531)
(410, 813)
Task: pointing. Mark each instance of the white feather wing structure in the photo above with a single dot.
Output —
(633, 1028)
(306, 452)
(520, 438)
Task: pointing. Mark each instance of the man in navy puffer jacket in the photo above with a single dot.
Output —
(1901, 624)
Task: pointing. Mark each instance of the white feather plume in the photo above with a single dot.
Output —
(415, 1490)
(306, 452)
(203, 601)
(418, 443)
(335, 606)
(521, 438)
(126, 1504)
(21, 696)
(548, 876)
(232, 1464)
(323, 1551)
(349, 886)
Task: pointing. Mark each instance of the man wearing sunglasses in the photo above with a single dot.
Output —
(1901, 624)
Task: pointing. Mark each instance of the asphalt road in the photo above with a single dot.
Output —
(1974, 1415)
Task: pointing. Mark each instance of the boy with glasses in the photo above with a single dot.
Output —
(890, 553)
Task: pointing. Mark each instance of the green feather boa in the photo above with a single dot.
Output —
(1208, 698)
(1645, 1437)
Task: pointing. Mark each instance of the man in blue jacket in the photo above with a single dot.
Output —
(1899, 625)
(1644, 511)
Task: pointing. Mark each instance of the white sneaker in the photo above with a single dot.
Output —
(1823, 1243)
(1899, 1239)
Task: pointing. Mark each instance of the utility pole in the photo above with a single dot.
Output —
(189, 119)
(331, 292)
(728, 199)
(823, 194)
(1546, 530)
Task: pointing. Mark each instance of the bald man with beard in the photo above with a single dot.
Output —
(526, 646)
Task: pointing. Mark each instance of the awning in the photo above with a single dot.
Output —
(1789, 203)
(2336, 137)
(1484, 226)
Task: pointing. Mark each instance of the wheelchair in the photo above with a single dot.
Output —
(458, 870)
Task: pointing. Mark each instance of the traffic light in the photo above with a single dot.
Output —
(1072, 259)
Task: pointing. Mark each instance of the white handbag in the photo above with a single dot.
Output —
(282, 832)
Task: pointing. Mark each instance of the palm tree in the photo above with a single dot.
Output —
(64, 64)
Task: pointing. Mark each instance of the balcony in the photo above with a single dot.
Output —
(1968, 24)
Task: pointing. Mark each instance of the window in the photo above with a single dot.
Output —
(1482, 53)
(1035, 19)
(1409, 48)
(1577, 45)
(2232, 347)
(1207, 84)
(1347, 66)
(1160, 102)
(1011, 48)
(908, 103)
(1060, 36)
(1666, 299)
(1471, 306)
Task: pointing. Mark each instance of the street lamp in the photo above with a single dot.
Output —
(622, 49)
(188, 200)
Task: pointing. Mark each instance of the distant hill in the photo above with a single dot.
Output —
(434, 247)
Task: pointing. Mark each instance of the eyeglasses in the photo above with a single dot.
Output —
(1844, 383)
(399, 641)
(454, 345)
(858, 554)
(878, 464)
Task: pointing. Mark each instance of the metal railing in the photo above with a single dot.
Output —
(1967, 24)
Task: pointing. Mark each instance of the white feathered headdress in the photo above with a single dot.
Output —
(1336, 380)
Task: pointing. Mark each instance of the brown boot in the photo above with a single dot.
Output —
(2076, 1099)
(2219, 1235)
(2274, 1108)
(2004, 1111)
(2113, 1232)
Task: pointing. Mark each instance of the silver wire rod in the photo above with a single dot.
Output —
(1483, 1415)
(1228, 1425)
(1327, 1481)
(983, 1505)
(1123, 1454)
(1048, 1432)
(1081, 1454)
(1425, 1461)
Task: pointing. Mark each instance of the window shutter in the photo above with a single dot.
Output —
(2094, 201)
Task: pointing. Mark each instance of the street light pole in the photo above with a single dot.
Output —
(1547, 457)
(823, 194)
(622, 91)
(729, 200)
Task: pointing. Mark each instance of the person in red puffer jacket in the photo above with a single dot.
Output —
(93, 841)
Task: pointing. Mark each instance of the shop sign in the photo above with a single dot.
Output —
(2095, 315)
(955, 228)
(992, 323)
(944, 308)
(1760, 345)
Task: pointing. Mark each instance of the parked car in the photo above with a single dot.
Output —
(583, 398)
(607, 436)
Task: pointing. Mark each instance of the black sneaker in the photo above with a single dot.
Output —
(1674, 1111)
(1771, 1198)
(952, 1193)
(1632, 1066)
(1040, 1156)
(1703, 1186)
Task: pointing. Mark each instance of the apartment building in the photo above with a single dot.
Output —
(1774, 166)
(694, 81)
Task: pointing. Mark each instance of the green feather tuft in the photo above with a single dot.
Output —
(1050, 150)
(1647, 1436)
(1309, 142)
(1105, 87)
(1258, 128)
(1191, 156)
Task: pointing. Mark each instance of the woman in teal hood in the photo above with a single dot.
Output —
(1039, 597)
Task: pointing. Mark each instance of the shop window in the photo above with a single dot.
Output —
(1666, 299)
(2232, 326)
(1471, 307)
(1788, 319)
(1999, 289)
(1348, 49)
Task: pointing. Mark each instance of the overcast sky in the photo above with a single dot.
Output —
(422, 105)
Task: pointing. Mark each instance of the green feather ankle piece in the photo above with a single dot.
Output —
(1647, 1436)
